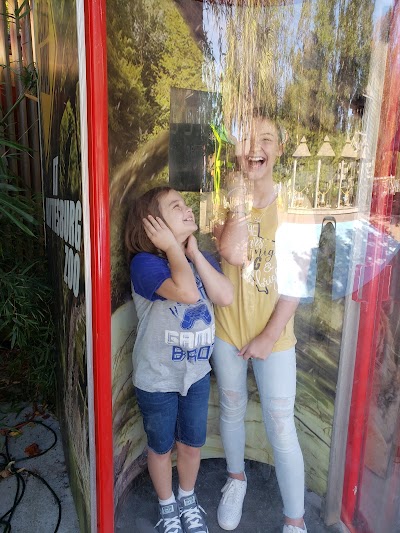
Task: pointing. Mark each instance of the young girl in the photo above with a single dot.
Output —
(173, 287)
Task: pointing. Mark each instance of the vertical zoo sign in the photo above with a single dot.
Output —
(59, 96)
(64, 217)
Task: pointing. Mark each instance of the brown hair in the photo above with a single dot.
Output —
(136, 239)
(262, 112)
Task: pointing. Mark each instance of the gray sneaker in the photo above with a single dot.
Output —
(170, 521)
(192, 515)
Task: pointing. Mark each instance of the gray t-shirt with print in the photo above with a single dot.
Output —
(174, 340)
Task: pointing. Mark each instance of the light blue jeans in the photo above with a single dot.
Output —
(276, 382)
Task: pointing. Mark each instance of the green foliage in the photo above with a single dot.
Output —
(27, 363)
(150, 49)
(180, 62)
(134, 50)
(26, 327)
(330, 66)
(15, 209)
(26, 332)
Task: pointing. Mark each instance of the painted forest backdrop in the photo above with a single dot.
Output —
(315, 63)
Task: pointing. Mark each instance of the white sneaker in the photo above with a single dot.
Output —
(294, 529)
(230, 507)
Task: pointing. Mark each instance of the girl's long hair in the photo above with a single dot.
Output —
(136, 239)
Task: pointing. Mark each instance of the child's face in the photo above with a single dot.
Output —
(177, 215)
(259, 150)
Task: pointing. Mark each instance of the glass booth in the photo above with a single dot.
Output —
(139, 94)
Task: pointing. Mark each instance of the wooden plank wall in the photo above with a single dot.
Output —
(19, 117)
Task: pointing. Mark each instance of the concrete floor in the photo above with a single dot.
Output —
(38, 510)
(138, 513)
(262, 511)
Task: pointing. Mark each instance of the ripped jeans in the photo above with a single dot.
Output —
(276, 382)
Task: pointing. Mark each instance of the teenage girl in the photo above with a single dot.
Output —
(259, 326)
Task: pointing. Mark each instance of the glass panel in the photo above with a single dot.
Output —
(190, 85)
(379, 486)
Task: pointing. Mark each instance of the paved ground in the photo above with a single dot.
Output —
(262, 511)
(38, 510)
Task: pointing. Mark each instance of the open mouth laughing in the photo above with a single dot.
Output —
(255, 162)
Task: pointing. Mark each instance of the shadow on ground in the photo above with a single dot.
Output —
(138, 513)
(262, 511)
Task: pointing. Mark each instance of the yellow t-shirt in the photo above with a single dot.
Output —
(256, 290)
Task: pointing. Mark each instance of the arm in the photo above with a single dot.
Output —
(232, 237)
(181, 286)
(261, 346)
(218, 287)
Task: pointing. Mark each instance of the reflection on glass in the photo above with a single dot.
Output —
(319, 67)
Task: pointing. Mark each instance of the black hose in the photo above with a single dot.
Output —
(11, 464)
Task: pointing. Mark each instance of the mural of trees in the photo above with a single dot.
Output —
(153, 51)
(330, 66)
(309, 62)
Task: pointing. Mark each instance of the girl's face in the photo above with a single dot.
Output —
(259, 150)
(177, 215)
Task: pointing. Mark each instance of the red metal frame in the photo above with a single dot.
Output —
(97, 102)
(374, 293)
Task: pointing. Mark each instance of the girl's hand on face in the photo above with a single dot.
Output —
(191, 249)
(159, 233)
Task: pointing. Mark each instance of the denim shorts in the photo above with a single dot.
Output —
(170, 417)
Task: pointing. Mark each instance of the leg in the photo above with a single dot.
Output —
(191, 432)
(231, 372)
(159, 411)
(276, 381)
(188, 463)
(160, 470)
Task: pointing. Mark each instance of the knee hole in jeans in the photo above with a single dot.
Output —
(279, 421)
(232, 405)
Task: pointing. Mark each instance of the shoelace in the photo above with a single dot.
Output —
(194, 517)
(172, 525)
(231, 493)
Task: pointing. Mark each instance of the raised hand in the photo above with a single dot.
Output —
(159, 233)
(191, 249)
(239, 193)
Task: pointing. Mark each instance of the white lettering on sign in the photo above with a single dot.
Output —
(64, 217)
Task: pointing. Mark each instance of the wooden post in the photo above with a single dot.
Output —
(293, 183)
(5, 79)
(21, 109)
(317, 184)
(340, 181)
(32, 103)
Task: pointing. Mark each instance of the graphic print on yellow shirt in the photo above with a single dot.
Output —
(261, 269)
(256, 291)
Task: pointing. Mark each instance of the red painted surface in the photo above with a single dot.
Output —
(376, 291)
(96, 70)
